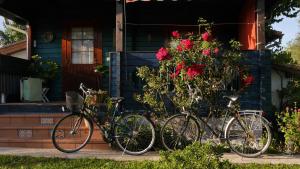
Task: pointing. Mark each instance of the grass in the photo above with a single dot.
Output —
(25, 162)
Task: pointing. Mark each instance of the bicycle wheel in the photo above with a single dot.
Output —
(180, 131)
(134, 134)
(72, 133)
(250, 136)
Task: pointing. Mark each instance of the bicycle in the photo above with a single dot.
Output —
(247, 132)
(133, 133)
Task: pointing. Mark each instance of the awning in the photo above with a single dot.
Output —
(130, 1)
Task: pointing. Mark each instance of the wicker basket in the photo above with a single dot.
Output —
(74, 101)
(96, 98)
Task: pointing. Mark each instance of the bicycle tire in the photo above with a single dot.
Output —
(169, 132)
(62, 137)
(134, 134)
(251, 141)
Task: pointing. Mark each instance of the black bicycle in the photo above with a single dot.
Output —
(132, 132)
(247, 132)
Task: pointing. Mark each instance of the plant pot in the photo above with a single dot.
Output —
(31, 89)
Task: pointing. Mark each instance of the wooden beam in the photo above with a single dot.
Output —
(29, 41)
(119, 26)
(260, 22)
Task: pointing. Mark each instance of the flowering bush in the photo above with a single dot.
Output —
(289, 125)
(191, 61)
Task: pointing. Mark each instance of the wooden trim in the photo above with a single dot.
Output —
(13, 48)
(98, 47)
(67, 44)
(248, 31)
(119, 26)
(260, 23)
(64, 46)
(29, 41)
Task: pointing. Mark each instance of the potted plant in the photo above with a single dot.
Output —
(39, 74)
(102, 71)
(43, 69)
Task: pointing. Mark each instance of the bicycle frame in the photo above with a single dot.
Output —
(96, 120)
(214, 132)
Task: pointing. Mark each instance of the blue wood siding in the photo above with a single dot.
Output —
(257, 96)
(53, 51)
(145, 38)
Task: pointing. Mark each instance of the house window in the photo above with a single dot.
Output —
(82, 45)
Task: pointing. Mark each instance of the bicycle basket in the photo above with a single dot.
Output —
(95, 98)
(74, 101)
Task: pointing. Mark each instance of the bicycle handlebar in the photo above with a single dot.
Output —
(83, 88)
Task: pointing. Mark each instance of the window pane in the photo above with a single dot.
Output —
(76, 45)
(88, 45)
(76, 58)
(88, 33)
(83, 45)
(87, 57)
(91, 57)
(76, 33)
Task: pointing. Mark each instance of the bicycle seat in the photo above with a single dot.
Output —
(232, 98)
(117, 99)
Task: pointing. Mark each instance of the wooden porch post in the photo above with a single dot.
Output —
(119, 26)
(29, 39)
(260, 23)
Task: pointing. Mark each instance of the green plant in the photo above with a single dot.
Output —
(102, 69)
(44, 69)
(194, 61)
(289, 124)
(194, 156)
(291, 93)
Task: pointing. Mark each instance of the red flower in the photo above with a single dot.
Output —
(178, 69)
(176, 34)
(205, 36)
(216, 51)
(163, 54)
(248, 80)
(185, 44)
(206, 52)
(179, 48)
(195, 70)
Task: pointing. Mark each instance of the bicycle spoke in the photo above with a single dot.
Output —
(134, 134)
(253, 143)
(178, 132)
(70, 134)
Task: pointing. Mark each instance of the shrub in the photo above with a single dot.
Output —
(289, 125)
(194, 156)
(192, 64)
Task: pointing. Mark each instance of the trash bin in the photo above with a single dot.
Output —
(31, 89)
(2, 98)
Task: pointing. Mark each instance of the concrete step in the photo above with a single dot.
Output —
(47, 143)
(42, 132)
(16, 108)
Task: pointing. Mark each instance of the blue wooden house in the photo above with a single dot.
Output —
(125, 34)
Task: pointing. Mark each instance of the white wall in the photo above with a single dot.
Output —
(21, 54)
(277, 84)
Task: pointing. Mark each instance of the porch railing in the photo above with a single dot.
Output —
(11, 71)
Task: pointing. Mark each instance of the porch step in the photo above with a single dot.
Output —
(19, 108)
(47, 143)
(34, 131)
(29, 119)
(39, 132)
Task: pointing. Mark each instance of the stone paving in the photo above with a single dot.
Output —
(118, 155)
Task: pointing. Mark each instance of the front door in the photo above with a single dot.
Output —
(81, 52)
